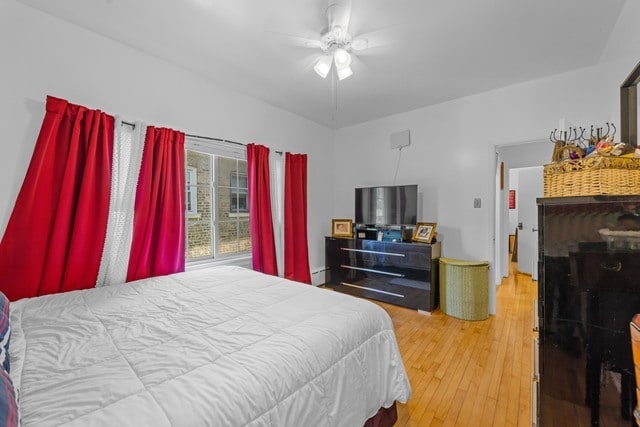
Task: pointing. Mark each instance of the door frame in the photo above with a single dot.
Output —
(526, 229)
(498, 209)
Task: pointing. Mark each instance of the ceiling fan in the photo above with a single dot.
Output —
(335, 42)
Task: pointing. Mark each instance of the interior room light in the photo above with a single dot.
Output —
(323, 65)
(342, 58)
(344, 72)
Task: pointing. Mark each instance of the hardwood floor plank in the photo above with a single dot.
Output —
(467, 373)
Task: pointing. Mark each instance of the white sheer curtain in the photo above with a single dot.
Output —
(127, 157)
(276, 165)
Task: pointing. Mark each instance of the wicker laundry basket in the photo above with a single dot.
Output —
(592, 176)
(464, 288)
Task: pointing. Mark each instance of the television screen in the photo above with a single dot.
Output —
(390, 205)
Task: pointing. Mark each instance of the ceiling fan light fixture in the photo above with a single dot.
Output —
(342, 58)
(323, 65)
(344, 72)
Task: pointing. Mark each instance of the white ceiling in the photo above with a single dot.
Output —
(429, 51)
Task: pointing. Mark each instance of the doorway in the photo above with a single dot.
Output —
(513, 156)
(528, 187)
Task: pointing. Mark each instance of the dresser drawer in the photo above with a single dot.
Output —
(403, 255)
(606, 270)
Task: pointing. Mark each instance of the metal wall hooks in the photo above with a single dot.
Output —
(600, 134)
(576, 135)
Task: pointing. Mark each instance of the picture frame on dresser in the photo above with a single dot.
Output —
(424, 232)
(341, 228)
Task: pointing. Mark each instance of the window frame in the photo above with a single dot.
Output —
(213, 150)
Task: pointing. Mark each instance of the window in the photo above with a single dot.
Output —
(216, 204)
(239, 203)
(192, 191)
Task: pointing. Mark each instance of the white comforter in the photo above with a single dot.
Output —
(223, 346)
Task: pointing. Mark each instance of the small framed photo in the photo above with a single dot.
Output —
(424, 232)
(341, 228)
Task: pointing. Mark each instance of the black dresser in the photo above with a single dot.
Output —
(404, 274)
(588, 292)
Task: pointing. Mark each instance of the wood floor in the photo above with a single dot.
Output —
(469, 373)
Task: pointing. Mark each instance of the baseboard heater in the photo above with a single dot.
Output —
(371, 289)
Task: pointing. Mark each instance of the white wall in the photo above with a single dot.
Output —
(533, 153)
(42, 55)
(451, 151)
(451, 156)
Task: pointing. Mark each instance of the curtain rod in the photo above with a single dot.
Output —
(133, 125)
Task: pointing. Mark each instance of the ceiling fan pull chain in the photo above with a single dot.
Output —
(335, 91)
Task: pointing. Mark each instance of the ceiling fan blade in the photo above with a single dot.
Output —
(294, 40)
(359, 43)
(339, 14)
(375, 39)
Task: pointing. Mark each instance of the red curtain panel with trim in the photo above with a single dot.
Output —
(53, 240)
(157, 246)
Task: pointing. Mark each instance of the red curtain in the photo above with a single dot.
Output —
(296, 250)
(53, 240)
(263, 248)
(157, 247)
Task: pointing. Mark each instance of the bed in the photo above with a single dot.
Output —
(220, 346)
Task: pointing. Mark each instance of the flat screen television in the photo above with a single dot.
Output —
(387, 205)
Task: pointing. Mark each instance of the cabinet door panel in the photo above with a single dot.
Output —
(588, 292)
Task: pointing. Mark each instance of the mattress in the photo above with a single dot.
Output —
(221, 346)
